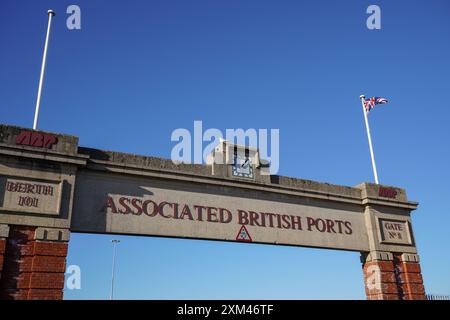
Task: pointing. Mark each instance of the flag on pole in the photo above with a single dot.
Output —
(370, 103)
(367, 105)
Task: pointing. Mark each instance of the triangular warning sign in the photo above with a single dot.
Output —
(243, 235)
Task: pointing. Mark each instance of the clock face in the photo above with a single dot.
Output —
(242, 167)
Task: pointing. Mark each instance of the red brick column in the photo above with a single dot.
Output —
(379, 277)
(409, 276)
(2, 251)
(34, 263)
(390, 276)
(4, 231)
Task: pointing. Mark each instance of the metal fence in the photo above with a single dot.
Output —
(437, 297)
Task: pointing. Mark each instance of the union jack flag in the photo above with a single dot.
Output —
(370, 103)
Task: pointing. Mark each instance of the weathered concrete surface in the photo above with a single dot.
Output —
(49, 186)
(105, 191)
(23, 137)
(212, 212)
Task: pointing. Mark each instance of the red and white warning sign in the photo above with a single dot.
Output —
(243, 235)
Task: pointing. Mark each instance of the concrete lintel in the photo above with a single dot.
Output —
(166, 174)
(408, 257)
(411, 205)
(379, 256)
(52, 234)
(4, 231)
(49, 156)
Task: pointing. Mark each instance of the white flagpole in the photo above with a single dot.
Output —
(50, 13)
(374, 167)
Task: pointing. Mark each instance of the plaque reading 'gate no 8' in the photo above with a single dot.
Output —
(395, 231)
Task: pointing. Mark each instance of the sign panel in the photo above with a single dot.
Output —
(36, 139)
(114, 203)
(243, 235)
(29, 195)
(395, 231)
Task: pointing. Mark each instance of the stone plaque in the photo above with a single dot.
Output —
(30, 195)
(395, 231)
(107, 203)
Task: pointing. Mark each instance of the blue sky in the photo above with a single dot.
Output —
(137, 70)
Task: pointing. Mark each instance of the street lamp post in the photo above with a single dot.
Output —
(114, 242)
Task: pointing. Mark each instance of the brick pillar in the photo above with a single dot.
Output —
(379, 276)
(409, 276)
(2, 251)
(34, 263)
(389, 276)
(4, 231)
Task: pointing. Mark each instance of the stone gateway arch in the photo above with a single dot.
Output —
(50, 187)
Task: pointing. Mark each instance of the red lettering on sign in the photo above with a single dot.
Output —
(254, 219)
(387, 192)
(286, 221)
(187, 212)
(36, 139)
(110, 204)
(124, 203)
(199, 210)
(151, 213)
(33, 188)
(270, 216)
(393, 226)
(161, 209)
(173, 210)
(211, 214)
(296, 221)
(28, 202)
(348, 225)
(137, 204)
(242, 217)
(222, 213)
(327, 225)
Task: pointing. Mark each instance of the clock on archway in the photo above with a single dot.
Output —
(242, 166)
